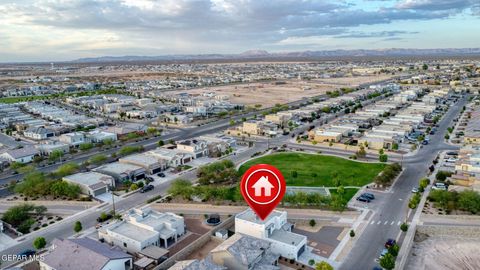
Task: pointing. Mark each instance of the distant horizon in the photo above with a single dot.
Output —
(58, 30)
(265, 54)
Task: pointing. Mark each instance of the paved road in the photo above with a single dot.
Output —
(393, 206)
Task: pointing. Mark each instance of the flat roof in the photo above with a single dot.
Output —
(117, 167)
(88, 178)
(249, 215)
(141, 158)
(132, 231)
(287, 237)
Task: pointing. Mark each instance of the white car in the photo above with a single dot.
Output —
(415, 190)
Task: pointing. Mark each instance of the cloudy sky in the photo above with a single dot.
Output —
(48, 30)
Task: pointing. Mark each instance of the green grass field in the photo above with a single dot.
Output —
(319, 170)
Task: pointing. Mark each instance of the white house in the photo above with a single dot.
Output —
(74, 138)
(142, 228)
(275, 229)
(21, 155)
(91, 183)
(197, 148)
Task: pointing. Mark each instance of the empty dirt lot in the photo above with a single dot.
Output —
(270, 93)
(444, 252)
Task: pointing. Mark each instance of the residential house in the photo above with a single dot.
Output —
(84, 254)
(91, 183)
(38, 133)
(149, 162)
(245, 252)
(197, 148)
(21, 155)
(74, 139)
(142, 228)
(274, 229)
(122, 172)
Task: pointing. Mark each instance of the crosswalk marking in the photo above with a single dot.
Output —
(385, 222)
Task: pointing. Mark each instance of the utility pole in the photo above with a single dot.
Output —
(113, 201)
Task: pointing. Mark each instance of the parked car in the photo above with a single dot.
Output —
(149, 179)
(161, 174)
(414, 190)
(27, 253)
(452, 153)
(383, 253)
(425, 142)
(368, 195)
(146, 188)
(390, 242)
(363, 199)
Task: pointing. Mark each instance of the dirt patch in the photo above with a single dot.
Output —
(205, 250)
(438, 253)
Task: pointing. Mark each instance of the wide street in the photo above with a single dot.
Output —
(393, 207)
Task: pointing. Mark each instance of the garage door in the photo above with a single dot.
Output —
(140, 176)
(157, 170)
(99, 191)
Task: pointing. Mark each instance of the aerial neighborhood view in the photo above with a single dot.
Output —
(217, 134)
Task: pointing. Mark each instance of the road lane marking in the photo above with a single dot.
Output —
(399, 223)
(373, 222)
(393, 222)
(385, 222)
(379, 222)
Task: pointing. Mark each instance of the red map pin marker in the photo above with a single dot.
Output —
(263, 187)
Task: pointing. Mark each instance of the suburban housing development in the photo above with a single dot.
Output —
(129, 132)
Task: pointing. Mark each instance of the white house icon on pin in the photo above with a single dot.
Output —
(264, 184)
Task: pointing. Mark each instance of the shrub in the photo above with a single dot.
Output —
(404, 227)
(312, 222)
(39, 243)
(352, 233)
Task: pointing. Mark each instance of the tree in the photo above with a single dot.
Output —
(394, 250)
(323, 266)
(404, 227)
(425, 67)
(423, 183)
(447, 137)
(151, 130)
(85, 146)
(381, 151)
(395, 146)
(15, 165)
(77, 227)
(161, 143)
(442, 175)
(232, 122)
(133, 186)
(39, 243)
(67, 169)
(312, 222)
(98, 159)
(26, 169)
(18, 214)
(361, 153)
(55, 155)
(383, 158)
(352, 233)
(387, 261)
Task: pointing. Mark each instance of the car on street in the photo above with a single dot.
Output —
(363, 199)
(149, 179)
(368, 195)
(146, 188)
(390, 242)
(415, 190)
(161, 174)
(383, 253)
(27, 253)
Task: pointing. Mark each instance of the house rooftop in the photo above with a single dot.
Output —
(249, 215)
(82, 254)
(287, 237)
(89, 178)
